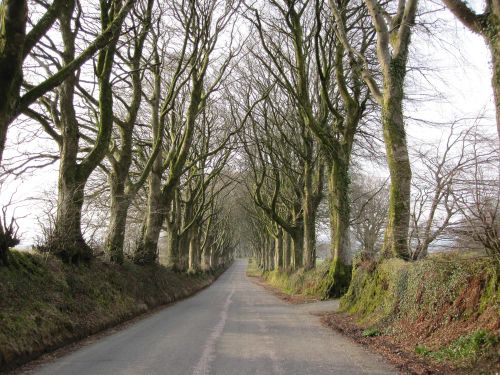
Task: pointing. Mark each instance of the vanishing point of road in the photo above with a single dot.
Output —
(234, 327)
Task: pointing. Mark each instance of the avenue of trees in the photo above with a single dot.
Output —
(196, 127)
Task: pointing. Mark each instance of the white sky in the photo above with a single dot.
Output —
(459, 86)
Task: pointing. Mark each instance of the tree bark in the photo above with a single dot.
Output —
(396, 234)
(121, 194)
(297, 248)
(493, 41)
(67, 240)
(13, 16)
(278, 250)
(270, 254)
(309, 214)
(120, 203)
(338, 186)
(194, 250)
(173, 249)
(287, 251)
(146, 252)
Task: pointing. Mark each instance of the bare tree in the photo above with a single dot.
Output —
(477, 194)
(369, 212)
(433, 206)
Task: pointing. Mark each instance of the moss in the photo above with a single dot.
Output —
(374, 292)
(451, 288)
(371, 332)
(467, 348)
(433, 303)
(336, 282)
(301, 282)
(491, 291)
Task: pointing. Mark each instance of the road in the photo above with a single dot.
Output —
(234, 327)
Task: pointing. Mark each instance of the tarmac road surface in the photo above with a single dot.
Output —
(234, 327)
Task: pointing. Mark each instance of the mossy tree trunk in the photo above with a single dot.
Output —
(173, 248)
(297, 248)
(120, 203)
(67, 241)
(339, 206)
(172, 227)
(146, 251)
(287, 251)
(309, 214)
(278, 249)
(270, 254)
(13, 17)
(393, 40)
(396, 233)
(184, 240)
(265, 259)
(194, 250)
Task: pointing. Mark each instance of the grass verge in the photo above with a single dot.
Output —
(299, 283)
(445, 309)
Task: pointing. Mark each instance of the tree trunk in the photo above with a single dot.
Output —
(194, 251)
(147, 250)
(120, 203)
(205, 259)
(396, 234)
(13, 16)
(493, 40)
(173, 248)
(278, 250)
(287, 251)
(297, 248)
(337, 281)
(309, 212)
(270, 255)
(183, 253)
(212, 258)
(67, 240)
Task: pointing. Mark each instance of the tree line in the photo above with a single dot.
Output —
(332, 78)
(130, 94)
(221, 123)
